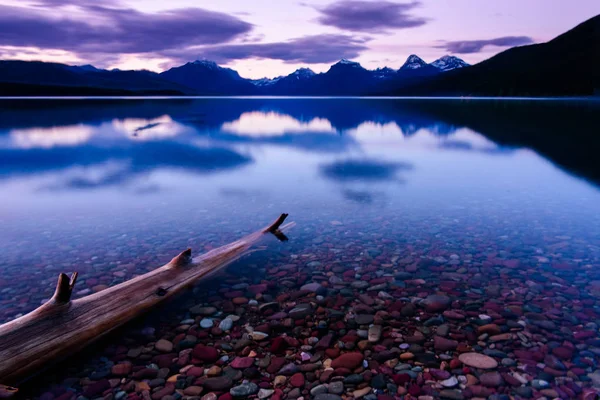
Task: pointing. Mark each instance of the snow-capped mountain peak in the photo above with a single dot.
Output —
(413, 62)
(343, 61)
(303, 72)
(265, 81)
(206, 63)
(448, 63)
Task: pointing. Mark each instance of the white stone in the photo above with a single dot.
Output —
(206, 323)
(450, 382)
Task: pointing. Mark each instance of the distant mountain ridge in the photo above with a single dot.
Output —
(564, 66)
(78, 79)
(200, 77)
(413, 62)
(567, 65)
(207, 78)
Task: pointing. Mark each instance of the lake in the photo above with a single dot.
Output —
(453, 225)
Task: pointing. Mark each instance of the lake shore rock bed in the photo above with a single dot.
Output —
(360, 323)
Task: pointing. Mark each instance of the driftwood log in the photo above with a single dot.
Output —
(61, 327)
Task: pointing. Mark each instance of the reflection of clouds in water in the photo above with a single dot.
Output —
(93, 167)
(95, 176)
(148, 129)
(460, 145)
(258, 123)
(356, 178)
(142, 145)
(433, 137)
(308, 141)
(72, 135)
(363, 170)
(473, 139)
(271, 127)
(371, 130)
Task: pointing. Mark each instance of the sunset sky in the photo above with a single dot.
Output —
(274, 37)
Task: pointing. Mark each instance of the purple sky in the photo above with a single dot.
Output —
(269, 38)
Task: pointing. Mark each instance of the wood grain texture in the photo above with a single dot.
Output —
(61, 327)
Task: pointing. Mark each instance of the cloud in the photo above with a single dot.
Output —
(101, 29)
(307, 49)
(370, 16)
(475, 46)
(60, 3)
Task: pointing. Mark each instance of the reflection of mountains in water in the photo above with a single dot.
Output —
(211, 114)
(563, 131)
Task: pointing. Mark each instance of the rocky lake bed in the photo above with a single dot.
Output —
(349, 315)
(443, 249)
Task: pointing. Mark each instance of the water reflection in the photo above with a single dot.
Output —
(51, 137)
(124, 168)
(106, 181)
(162, 127)
(205, 136)
(363, 170)
(271, 123)
(118, 164)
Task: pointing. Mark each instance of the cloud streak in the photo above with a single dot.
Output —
(476, 46)
(370, 16)
(109, 30)
(307, 49)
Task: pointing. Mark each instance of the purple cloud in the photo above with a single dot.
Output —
(60, 3)
(370, 16)
(475, 46)
(308, 49)
(116, 30)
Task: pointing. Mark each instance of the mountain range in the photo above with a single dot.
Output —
(205, 77)
(565, 66)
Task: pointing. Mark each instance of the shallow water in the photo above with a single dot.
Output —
(486, 201)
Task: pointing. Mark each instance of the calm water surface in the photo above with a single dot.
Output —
(500, 199)
(88, 184)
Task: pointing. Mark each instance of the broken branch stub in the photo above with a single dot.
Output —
(64, 288)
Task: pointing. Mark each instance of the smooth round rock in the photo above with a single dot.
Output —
(219, 383)
(348, 360)
(244, 390)
(226, 324)
(336, 387)
(164, 346)
(436, 302)
(450, 382)
(206, 323)
(264, 393)
(477, 360)
(201, 310)
(242, 362)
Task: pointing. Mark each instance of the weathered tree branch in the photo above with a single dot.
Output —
(62, 326)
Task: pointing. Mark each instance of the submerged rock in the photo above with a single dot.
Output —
(244, 390)
(477, 360)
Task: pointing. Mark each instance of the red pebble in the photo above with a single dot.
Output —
(297, 380)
